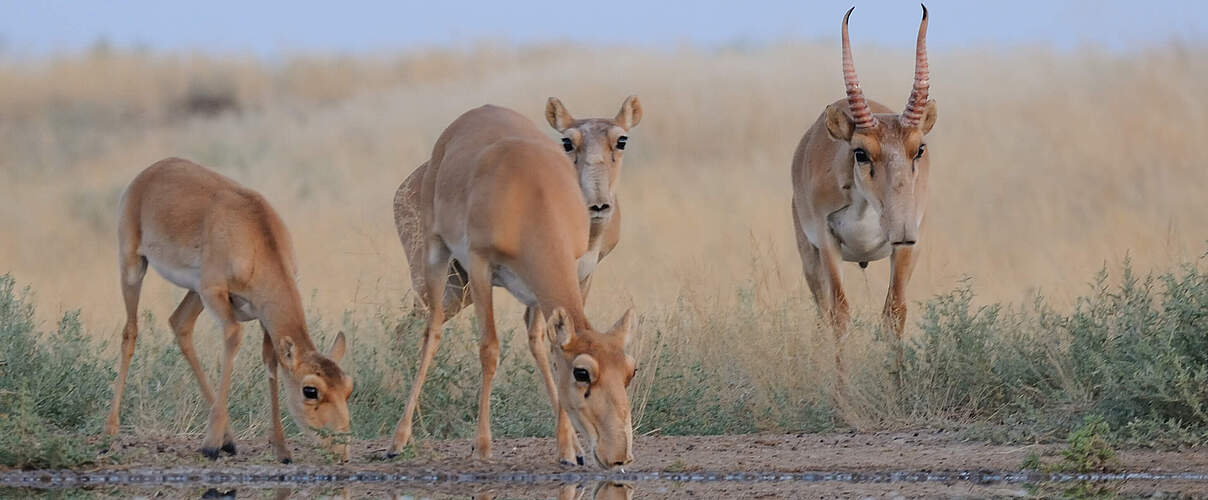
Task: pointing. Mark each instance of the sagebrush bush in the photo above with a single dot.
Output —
(1139, 349)
(1131, 354)
(51, 386)
(979, 363)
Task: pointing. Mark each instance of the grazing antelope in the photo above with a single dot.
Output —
(595, 144)
(860, 190)
(226, 246)
(502, 200)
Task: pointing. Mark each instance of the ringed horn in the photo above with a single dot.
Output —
(855, 95)
(917, 103)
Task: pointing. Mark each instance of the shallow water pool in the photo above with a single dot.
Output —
(270, 482)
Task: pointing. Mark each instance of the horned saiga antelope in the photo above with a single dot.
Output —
(502, 200)
(860, 190)
(224, 244)
(597, 146)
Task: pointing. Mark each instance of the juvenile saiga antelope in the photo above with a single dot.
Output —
(596, 145)
(224, 244)
(503, 201)
(860, 190)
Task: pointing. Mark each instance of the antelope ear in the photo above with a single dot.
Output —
(624, 327)
(561, 329)
(336, 353)
(929, 116)
(838, 124)
(286, 353)
(557, 115)
(630, 113)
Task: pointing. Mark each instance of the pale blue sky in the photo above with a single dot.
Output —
(271, 28)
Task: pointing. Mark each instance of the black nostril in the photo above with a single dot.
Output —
(600, 208)
(618, 463)
(903, 243)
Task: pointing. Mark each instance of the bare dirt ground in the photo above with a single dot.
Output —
(927, 450)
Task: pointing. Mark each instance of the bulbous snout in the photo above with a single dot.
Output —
(610, 446)
(906, 234)
(626, 461)
(595, 179)
(340, 451)
(900, 222)
(620, 460)
(336, 445)
(600, 211)
(615, 448)
(335, 433)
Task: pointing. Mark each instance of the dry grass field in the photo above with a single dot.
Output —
(1047, 167)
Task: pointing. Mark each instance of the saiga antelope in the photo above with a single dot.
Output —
(229, 249)
(595, 144)
(502, 200)
(860, 190)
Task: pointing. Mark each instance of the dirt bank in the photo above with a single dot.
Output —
(927, 450)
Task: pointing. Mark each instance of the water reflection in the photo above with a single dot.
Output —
(606, 490)
(575, 486)
(276, 493)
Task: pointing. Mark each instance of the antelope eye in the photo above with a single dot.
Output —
(309, 392)
(581, 375)
(861, 156)
(922, 149)
(567, 145)
(621, 141)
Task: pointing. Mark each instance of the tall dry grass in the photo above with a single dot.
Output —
(1046, 167)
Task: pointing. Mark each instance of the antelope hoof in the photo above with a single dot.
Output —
(229, 447)
(481, 452)
(282, 455)
(210, 453)
(394, 452)
(287, 460)
(568, 463)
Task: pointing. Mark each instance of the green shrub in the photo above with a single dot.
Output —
(1140, 349)
(1132, 354)
(1087, 448)
(51, 387)
(30, 441)
(986, 363)
(686, 399)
